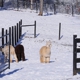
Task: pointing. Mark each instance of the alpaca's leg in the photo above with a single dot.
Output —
(18, 55)
(47, 59)
(15, 57)
(22, 53)
(23, 56)
(10, 59)
(41, 59)
(5, 59)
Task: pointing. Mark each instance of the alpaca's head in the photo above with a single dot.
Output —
(48, 43)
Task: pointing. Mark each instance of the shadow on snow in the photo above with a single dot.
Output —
(16, 70)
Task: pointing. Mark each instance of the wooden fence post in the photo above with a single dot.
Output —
(12, 35)
(19, 30)
(6, 36)
(15, 34)
(74, 54)
(21, 27)
(2, 35)
(9, 44)
(72, 9)
(35, 29)
(59, 30)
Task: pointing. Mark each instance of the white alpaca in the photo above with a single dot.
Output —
(5, 50)
(45, 53)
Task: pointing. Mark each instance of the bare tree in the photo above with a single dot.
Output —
(41, 8)
(31, 4)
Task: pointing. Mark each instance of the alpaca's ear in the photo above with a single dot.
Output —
(50, 43)
(47, 43)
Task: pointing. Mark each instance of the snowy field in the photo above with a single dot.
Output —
(61, 61)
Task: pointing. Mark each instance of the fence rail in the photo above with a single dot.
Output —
(29, 26)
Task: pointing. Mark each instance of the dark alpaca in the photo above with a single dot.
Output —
(19, 49)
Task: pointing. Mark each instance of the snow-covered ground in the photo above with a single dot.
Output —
(61, 61)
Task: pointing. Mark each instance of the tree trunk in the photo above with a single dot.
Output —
(41, 8)
(31, 4)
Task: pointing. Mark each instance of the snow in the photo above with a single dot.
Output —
(61, 61)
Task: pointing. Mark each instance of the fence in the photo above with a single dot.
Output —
(5, 63)
(76, 51)
(31, 25)
(59, 31)
(16, 33)
(11, 38)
